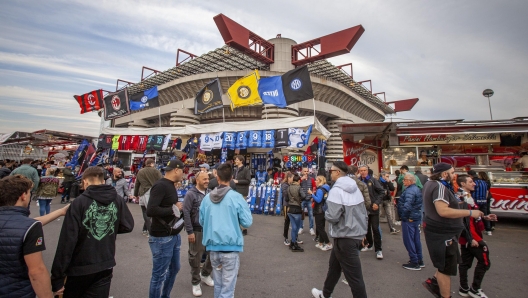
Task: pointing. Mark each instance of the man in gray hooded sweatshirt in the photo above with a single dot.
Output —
(347, 218)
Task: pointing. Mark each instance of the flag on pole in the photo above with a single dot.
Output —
(145, 99)
(209, 98)
(297, 85)
(244, 92)
(92, 101)
(116, 105)
(270, 91)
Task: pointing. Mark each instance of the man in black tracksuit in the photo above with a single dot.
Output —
(242, 178)
(376, 193)
(86, 249)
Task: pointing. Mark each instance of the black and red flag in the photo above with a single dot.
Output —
(116, 105)
(92, 101)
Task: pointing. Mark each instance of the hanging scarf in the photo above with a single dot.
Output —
(448, 186)
(365, 179)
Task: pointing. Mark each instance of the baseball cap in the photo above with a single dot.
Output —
(472, 173)
(441, 167)
(204, 165)
(174, 164)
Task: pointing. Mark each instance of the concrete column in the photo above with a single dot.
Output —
(273, 112)
(334, 145)
(282, 54)
(183, 117)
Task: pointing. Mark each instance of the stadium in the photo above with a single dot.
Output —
(338, 98)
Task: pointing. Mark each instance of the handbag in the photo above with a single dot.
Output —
(174, 227)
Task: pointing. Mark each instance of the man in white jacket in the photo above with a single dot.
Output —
(347, 218)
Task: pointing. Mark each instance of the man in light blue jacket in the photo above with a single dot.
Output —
(222, 212)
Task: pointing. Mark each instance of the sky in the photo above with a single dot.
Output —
(443, 52)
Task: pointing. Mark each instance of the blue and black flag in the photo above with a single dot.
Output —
(296, 85)
(145, 99)
(209, 98)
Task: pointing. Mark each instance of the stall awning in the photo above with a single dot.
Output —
(225, 126)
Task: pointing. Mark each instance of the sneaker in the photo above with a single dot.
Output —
(463, 292)
(431, 285)
(366, 248)
(344, 281)
(197, 290)
(312, 232)
(326, 247)
(379, 255)
(482, 293)
(488, 233)
(476, 293)
(145, 233)
(316, 239)
(38, 204)
(394, 232)
(299, 241)
(412, 266)
(286, 241)
(397, 223)
(319, 245)
(207, 280)
(300, 231)
(317, 293)
(421, 263)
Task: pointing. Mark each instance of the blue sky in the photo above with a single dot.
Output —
(444, 52)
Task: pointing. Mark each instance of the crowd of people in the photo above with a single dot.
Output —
(343, 205)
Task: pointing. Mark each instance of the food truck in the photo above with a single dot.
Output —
(494, 147)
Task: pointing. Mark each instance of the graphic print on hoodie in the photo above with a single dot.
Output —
(100, 220)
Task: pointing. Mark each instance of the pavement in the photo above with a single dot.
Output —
(269, 269)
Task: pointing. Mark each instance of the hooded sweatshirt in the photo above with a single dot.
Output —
(346, 213)
(87, 239)
(222, 212)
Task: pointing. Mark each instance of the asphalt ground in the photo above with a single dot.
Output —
(269, 269)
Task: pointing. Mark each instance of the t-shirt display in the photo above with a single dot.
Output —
(255, 139)
(142, 143)
(230, 139)
(217, 140)
(297, 137)
(115, 142)
(268, 138)
(132, 142)
(158, 145)
(242, 139)
(281, 137)
(206, 141)
(123, 143)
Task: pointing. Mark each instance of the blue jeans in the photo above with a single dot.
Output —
(225, 271)
(308, 204)
(296, 222)
(411, 240)
(44, 206)
(165, 264)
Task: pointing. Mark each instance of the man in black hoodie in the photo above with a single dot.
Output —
(86, 249)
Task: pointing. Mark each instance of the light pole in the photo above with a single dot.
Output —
(488, 93)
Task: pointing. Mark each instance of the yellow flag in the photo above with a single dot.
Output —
(244, 92)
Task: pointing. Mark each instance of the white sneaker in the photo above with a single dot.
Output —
(207, 280)
(379, 255)
(344, 281)
(482, 293)
(397, 223)
(317, 293)
(318, 245)
(489, 233)
(300, 231)
(366, 248)
(197, 290)
(326, 247)
(312, 232)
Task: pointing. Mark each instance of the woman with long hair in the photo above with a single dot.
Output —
(47, 190)
(319, 198)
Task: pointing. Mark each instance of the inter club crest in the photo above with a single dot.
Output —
(244, 92)
(116, 102)
(207, 96)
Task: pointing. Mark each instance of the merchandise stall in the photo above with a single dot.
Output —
(493, 147)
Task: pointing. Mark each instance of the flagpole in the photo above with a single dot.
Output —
(159, 116)
(223, 113)
(313, 99)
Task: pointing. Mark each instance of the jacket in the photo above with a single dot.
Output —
(28, 172)
(418, 181)
(222, 212)
(4, 172)
(472, 227)
(120, 185)
(346, 213)
(364, 191)
(244, 178)
(191, 208)
(319, 198)
(68, 175)
(145, 178)
(284, 192)
(308, 184)
(14, 279)
(410, 204)
(88, 236)
(388, 189)
(295, 197)
(48, 187)
(423, 178)
(376, 192)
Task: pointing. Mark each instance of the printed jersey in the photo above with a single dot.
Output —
(268, 138)
(261, 177)
(296, 137)
(158, 144)
(206, 141)
(281, 137)
(242, 139)
(255, 139)
(132, 142)
(151, 142)
(217, 141)
(230, 139)
(115, 142)
(142, 143)
(166, 142)
(123, 142)
(106, 142)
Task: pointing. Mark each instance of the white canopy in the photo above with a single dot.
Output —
(297, 122)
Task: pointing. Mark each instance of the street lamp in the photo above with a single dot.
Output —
(488, 93)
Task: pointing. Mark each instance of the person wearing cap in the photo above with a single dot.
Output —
(480, 195)
(164, 244)
(204, 167)
(443, 225)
